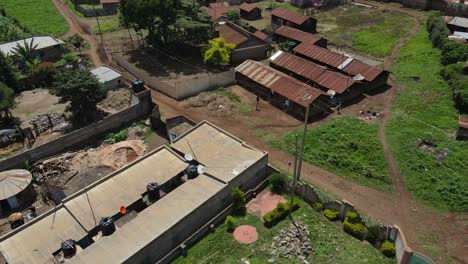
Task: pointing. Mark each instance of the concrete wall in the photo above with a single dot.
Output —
(252, 52)
(141, 108)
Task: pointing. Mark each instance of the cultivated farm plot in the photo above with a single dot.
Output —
(368, 30)
(330, 244)
(40, 16)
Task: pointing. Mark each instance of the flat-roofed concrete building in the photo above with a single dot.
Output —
(47, 47)
(149, 229)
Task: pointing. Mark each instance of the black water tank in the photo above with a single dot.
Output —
(191, 171)
(107, 226)
(68, 248)
(153, 191)
(138, 86)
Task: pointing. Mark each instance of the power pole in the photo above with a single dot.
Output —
(293, 187)
(301, 157)
(97, 20)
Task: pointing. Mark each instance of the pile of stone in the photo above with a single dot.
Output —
(292, 242)
(46, 121)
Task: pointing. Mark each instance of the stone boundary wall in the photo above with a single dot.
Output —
(141, 106)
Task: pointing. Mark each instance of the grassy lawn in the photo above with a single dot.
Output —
(347, 146)
(108, 23)
(368, 30)
(40, 16)
(379, 40)
(330, 244)
(420, 132)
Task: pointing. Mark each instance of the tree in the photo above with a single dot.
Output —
(238, 201)
(277, 181)
(7, 97)
(167, 21)
(7, 75)
(218, 52)
(25, 55)
(233, 15)
(82, 90)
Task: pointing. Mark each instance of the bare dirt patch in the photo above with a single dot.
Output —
(116, 100)
(216, 104)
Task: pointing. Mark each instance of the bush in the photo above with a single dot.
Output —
(279, 213)
(277, 181)
(43, 75)
(373, 234)
(317, 207)
(230, 223)
(388, 249)
(330, 214)
(238, 200)
(113, 138)
(353, 227)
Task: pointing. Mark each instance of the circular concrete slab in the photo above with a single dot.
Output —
(245, 234)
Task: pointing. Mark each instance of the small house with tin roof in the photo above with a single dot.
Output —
(250, 12)
(284, 17)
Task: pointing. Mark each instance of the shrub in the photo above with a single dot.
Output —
(353, 227)
(332, 215)
(279, 213)
(388, 249)
(238, 200)
(373, 234)
(43, 75)
(117, 137)
(230, 223)
(277, 181)
(317, 207)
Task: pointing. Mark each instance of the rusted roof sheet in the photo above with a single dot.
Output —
(336, 60)
(231, 35)
(356, 67)
(279, 82)
(297, 35)
(463, 122)
(109, 1)
(311, 71)
(247, 7)
(220, 5)
(289, 15)
(260, 35)
(219, 11)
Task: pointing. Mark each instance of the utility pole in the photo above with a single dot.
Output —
(293, 187)
(97, 20)
(306, 121)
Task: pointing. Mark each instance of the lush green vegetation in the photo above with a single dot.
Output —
(388, 249)
(11, 29)
(352, 226)
(330, 244)
(347, 146)
(218, 52)
(420, 131)
(107, 23)
(330, 214)
(273, 5)
(117, 137)
(380, 39)
(40, 16)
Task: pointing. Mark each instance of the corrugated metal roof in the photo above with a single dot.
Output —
(220, 5)
(109, 1)
(289, 15)
(13, 182)
(461, 34)
(279, 82)
(105, 74)
(231, 34)
(247, 7)
(459, 22)
(463, 122)
(260, 35)
(297, 35)
(333, 59)
(42, 42)
(318, 74)
(218, 12)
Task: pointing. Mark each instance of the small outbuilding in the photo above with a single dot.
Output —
(250, 12)
(47, 47)
(462, 132)
(285, 33)
(284, 17)
(16, 190)
(111, 78)
(458, 24)
(110, 6)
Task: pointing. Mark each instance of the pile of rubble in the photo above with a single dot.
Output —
(292, 242)
(46, 121)
(54, 167)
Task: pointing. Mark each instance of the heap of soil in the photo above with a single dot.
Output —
(116, 100)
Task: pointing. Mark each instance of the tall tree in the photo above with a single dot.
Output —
(82, 90)
(7, 74)
(219, 52)
(25, 54)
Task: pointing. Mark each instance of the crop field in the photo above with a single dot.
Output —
(433, 164)
(347, 146)
(367, 30)
(330, 244)
(40, 16)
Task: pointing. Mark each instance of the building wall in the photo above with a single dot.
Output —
(379, 81)
(250, 49)
(462, 134)
(252, 15)
(111, 9)
(51, 53)
(78, 137)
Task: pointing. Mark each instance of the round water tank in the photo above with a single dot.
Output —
(153, 191)
(138, 86)
(107, 226)
(191, 171)
(68, 248)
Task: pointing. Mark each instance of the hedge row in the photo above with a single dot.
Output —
(279, 213)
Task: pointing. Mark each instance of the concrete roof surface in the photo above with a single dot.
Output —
(105, 74)
(223, 155)
(36, 243)
(41, 41)
(150, 223)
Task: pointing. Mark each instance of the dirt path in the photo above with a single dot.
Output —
(96, 53)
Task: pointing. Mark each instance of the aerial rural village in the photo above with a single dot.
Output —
(234, 131)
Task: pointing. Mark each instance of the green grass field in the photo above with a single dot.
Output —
(330, 244)
(347, 146)
(9, 31)
(40, 16)
(436, 171)
(379, 40)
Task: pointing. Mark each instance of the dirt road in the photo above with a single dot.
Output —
(96, 54)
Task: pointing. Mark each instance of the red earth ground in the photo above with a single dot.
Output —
(245, 234)
(264, 203)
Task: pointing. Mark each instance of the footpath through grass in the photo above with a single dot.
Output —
(420, 132)
(40, 16)
(346, 146)
(381, 39)
(330, 244)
